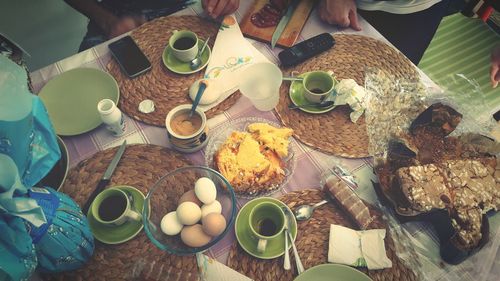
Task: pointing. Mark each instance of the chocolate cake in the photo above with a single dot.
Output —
(427, 170)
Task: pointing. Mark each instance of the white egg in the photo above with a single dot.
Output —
(205, 190)
(214, 207)
(188, 213)
(170, 224)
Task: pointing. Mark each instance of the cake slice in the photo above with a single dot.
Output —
(273, 138)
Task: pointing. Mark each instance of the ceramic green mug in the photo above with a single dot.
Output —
(318, 85)
(267, 221)
(112, 207)
(184, 45)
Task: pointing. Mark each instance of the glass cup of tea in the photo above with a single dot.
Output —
(267, 221)
(184, 45)
(112, 208)
(261, 84)
(318, 85)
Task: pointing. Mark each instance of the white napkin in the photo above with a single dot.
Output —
(231, 54)
(358, 248)
(212, 270)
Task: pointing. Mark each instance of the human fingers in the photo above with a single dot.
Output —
(494, 75)
(209, 5)
(353, 19)
(219, 8)
(231, 7)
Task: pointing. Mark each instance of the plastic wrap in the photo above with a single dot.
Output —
(391, 107)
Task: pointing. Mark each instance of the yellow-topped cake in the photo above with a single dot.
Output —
(251, 161)
(274, 138)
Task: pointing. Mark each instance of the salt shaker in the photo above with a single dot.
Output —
(112, 117)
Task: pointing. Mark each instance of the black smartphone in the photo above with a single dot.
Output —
(130, 58)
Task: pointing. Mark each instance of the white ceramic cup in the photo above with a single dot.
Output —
(318, 85)
(184, 55)
(187, 143)
(127, 214)
(261, 84)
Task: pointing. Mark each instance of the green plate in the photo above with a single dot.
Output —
(179, 67)
(275, 247)
(296, 93)
(121, 233)
(71, 99)
(332, 272)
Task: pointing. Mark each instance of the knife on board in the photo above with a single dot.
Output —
(283, 22)
(106, 178)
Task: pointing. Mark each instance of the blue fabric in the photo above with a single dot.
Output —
(68, 243)
(26, 133)
(17, 253)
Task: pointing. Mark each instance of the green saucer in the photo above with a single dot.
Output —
(121, 233)
(179, 67)
(296, 93)
(332, 272)
(275, 247)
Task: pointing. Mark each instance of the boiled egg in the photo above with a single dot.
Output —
(205, 190)
(193, 236)
(190, 196)
(188, 213)
(214, 207)
(213, 224)
(170, 224)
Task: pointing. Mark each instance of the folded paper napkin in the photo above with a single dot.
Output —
(358, 248)
(349, 92)
(231, 54)
(212, 270)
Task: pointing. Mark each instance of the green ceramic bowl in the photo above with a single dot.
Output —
(57, 175)
(332, 272)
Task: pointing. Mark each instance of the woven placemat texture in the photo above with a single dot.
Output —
(333, 132)
(138, 259)
(312, 244)
(165, 88)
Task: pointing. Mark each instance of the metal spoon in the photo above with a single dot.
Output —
(323, 104)
(298, 262)
(286, 261)
(305, 212)
(196, 62)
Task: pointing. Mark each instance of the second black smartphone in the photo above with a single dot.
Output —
(130, 58)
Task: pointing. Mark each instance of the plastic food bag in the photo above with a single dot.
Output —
(17, 252)
(26, 134)
(391, 107)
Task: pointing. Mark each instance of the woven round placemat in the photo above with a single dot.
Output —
(333, 132)
(312, 244)
(165, 88)
(138, 259)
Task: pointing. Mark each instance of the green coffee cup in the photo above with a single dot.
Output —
(267, 221)
(318, 85)
(112, 207)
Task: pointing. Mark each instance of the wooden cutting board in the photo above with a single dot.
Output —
(292, 29)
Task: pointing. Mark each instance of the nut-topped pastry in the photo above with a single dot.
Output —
(253, 160)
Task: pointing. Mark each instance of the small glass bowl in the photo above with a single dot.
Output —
(163, 198)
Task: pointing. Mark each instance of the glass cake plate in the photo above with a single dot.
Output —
(219, 135)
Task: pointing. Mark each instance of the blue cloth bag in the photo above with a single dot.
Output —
(26, 134)
(65, 242)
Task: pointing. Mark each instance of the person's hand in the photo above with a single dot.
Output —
(339, 12)
(217, 8)
(495, 67)
(117, 26)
